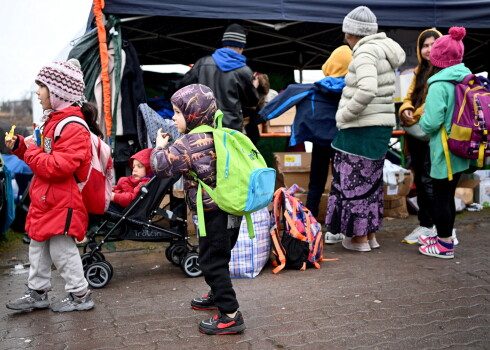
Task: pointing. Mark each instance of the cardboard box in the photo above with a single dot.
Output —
(322, 208)
(281, 124)
(292, 168)
(404, 181)
(466, 190)
(395, 206)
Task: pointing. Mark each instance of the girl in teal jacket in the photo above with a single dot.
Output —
(446, 57)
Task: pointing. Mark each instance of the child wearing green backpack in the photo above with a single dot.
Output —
(195, 105)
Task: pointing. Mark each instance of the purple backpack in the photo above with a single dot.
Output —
(468, 137)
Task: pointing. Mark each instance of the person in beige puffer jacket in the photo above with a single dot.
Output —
(365, 119)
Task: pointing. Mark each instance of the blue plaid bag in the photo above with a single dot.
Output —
(249, 255)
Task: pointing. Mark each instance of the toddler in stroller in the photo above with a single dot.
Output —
(142, 220)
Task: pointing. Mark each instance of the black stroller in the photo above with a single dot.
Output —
(143, 220)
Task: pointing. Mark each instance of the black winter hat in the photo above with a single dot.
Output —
(235, 35)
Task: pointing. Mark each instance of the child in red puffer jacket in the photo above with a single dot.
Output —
(128, 187)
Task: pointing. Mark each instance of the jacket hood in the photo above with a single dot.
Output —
(228, 59)
(438, 35)
(197, 104)
(331, 84)
(144, 157)
(65, 112)
(380, 45)
(456, 73)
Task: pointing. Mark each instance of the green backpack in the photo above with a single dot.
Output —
(244, 183)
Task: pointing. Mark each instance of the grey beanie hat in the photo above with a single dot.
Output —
(361, 21)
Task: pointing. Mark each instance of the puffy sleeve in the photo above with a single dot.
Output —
(172, 161)
(407, 101)
(68, 153)
(435, 108)
(366, 88)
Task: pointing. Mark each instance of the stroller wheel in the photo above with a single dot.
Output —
(87, 260)
(175, 252)
(109, 266)
(98, 274)
(190, 265)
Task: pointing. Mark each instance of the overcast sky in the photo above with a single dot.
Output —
(35, 32)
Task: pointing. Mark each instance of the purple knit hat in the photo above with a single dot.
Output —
(197, 103)
(448, 50)
(64, 81)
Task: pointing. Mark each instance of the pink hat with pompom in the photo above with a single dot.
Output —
(448, 50)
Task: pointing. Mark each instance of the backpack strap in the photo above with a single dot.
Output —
(279, 252)
(218, 119)
(199, 202)
(57, 134)
(445, 146)
(61, 125)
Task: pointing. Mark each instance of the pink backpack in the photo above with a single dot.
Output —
(96, 190)
(468, 137)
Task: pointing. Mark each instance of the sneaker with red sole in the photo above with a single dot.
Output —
(222, 324)
(440, 249)
(205, 302)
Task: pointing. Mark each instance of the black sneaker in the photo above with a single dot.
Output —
(222, 324)
(206, 302)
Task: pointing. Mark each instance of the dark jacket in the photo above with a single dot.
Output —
(316, 105)
(190, 152)
(233, 89)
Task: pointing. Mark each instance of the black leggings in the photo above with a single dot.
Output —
(423, 182)
(443, 206)
(214, 258)
(320, 160)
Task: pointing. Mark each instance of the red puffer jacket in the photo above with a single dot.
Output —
(56, 203)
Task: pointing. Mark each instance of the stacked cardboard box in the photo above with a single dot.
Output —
(395, 200)
(294, 168)
(466, 190)
(281, 124)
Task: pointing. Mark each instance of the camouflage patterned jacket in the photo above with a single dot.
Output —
(190, 152)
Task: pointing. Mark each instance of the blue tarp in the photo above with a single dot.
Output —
(413, 13)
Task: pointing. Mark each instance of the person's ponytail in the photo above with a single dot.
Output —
(90, 114)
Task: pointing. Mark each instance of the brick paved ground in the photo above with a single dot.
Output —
(391, 298)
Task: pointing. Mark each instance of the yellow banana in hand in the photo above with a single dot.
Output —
(9, 135)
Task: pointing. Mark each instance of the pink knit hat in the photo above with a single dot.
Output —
(448, 50)
(64, 81)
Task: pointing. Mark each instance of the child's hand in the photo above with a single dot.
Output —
(162, 139)
(11, 142)
(29, 141)
(112, 196)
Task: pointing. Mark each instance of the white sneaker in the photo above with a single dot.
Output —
(413, 236)
(331, 238)
(455, 239)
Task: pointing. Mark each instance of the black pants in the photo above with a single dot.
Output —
(214, 258)
(419, 154)
(443, 206)
(320, 160)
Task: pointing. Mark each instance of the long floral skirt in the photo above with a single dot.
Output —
(355, 203)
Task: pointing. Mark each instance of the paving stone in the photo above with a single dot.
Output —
(391, 298)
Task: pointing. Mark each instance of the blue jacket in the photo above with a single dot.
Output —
(316, 105)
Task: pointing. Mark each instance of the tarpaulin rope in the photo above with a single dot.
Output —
(104, 60)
